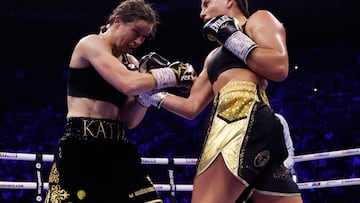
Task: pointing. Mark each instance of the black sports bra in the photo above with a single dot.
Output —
(222, 60)
(88, 83)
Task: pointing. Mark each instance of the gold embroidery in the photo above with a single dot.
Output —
(87, 129)
(105, 129)
(143, 190)
(246, 139)
(54, 174)
(55, 193)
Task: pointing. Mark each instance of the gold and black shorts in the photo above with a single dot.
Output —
(95, 163)
(245, 131)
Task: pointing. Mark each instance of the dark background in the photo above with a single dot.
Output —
(42, 33)
(37, 37)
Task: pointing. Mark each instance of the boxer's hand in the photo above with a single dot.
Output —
(177, 74)
(152, 60)
(185, 73)
(225, 31)
(220, 28)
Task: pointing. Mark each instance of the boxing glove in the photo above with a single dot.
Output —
(166, 74)
(177, 74)
(224, 29)
(152, 60)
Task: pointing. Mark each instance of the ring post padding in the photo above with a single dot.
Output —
(172, 180)
(39, 179)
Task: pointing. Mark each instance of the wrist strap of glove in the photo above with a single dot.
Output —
(240, 45)
(165, 77)
(162, 96)
(147, 99)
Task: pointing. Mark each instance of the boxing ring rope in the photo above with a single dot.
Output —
(172, 187)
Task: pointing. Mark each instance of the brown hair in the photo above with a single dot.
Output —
(133, 10)
(244, 7)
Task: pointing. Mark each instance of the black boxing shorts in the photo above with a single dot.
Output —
(94, 163)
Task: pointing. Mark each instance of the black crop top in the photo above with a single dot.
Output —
(88, 83)
(222, 60)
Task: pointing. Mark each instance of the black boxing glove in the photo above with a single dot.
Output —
(224, 29)
(152, 60)
(185, 73)
(167, 74)
(177, 74)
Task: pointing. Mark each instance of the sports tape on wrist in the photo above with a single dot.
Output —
(240, 45)
(164, 77)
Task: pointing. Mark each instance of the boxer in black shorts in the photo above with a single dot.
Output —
(95, 163)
